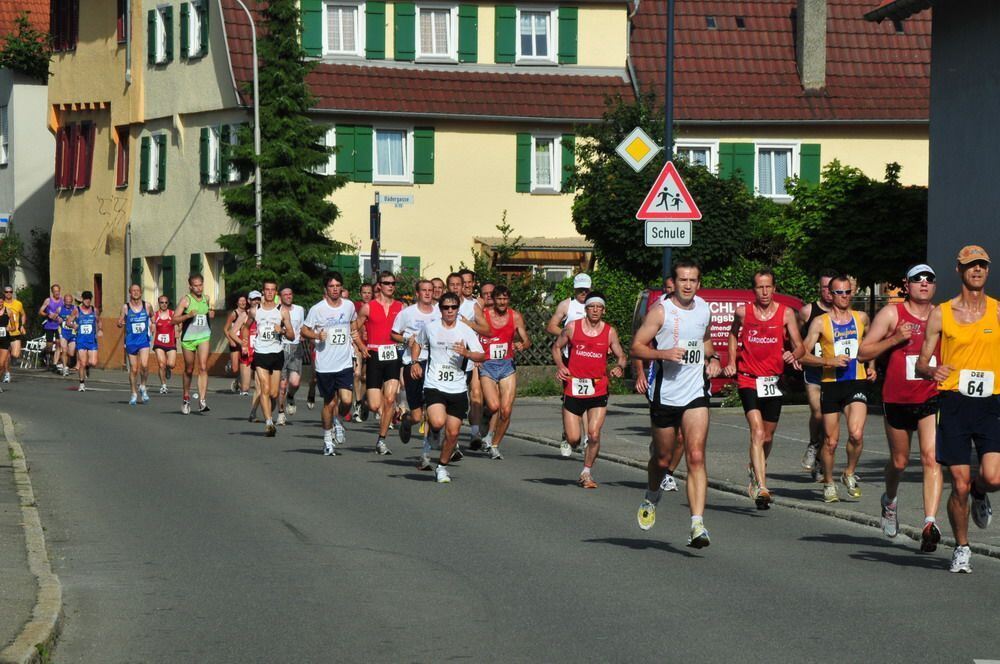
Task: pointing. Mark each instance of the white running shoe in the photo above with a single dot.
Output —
(291, 407)
(961, 560)
(281, 420)
(890, 519)
(203, 407)
(425, 463)
(133, 400)
(339, 434)
(163, 389)
(382, 448)
(310, 404)
(668, 483)
(328, 448)
(565, 450)
(495, 453)
(144, 394)
(488, 441)
(65, 371)
(82, 388)
(982, 512)
(442, 474)
(699, 536)
(186, 408)
(6, 377)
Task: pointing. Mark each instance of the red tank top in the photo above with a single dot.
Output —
(901, 382)
(165, 329)
(762, 344)
(501, 345)
(379, 323)
(588, 362)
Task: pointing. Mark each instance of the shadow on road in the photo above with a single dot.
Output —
(307, 450)
(553, 481)
(642, 544)
(428, 477)
(906, 560)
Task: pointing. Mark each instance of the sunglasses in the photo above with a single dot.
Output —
(923, 276)
(841, 292)
(449, 306)
(388, 283)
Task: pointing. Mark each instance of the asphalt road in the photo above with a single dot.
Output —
(194, 538)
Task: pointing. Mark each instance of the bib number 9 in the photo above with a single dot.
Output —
(767, 386)
(583, 387)
(498, 351)
(694, 351)
(848, 347)
(387, 353)
(975, 383)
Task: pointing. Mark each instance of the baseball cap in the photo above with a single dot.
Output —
(919, 269)
(582, 281)
(255, 295)
(971, 253)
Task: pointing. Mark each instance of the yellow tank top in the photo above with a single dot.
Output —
(971, 349)
(842, 339)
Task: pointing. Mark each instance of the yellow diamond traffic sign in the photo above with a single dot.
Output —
(637, 149)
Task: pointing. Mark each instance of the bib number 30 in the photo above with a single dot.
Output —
(767, 386)
(975, 383)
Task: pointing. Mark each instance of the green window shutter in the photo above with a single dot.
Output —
(568, 159)
(468, 33)
(567, 35)
(375, 30)
(809, 162)
(736, 160)
(161, 153)
(225, 152)
(144, 164)
(411, 267)
(345, 264)
(136, 271)
(363, 154)
(196, 265)
(169, 274)
(523, 184)
(151, 36)
(352, 263)
(423, 155)
(505, 37)
(345, 150)
(312, 27)
(404, 35)
(203, 13)
(726, 152)
(185, 25)
(168, 24)
(204, 143)
(229, 263)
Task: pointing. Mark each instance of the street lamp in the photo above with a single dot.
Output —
(668, 103)
(256, 138)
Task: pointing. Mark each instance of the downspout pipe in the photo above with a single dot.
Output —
(628, 51)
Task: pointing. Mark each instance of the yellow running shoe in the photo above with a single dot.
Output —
(646, 516)
(851, 482)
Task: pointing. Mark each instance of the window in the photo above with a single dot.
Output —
(329, 140)
(545, 163)
(216, 154)
(123, 22)
(160, 38)
(64, 24)
(698, 153)
(393, 155)
(553, 275)
(391, 262)
(156, 271)
(121, 158)
(74, 155)
(153, 163)
(775, 163)
(194, 29)
(345, 28)
(213, 155)
(230, 139)
(4, 137)
(710, 23)
(435, 32)
(536, 35)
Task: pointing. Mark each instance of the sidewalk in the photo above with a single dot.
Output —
(17, 590)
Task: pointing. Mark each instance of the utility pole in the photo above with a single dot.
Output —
(668, 112)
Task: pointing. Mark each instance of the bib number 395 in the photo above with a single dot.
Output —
(583, 387)
(973, 383)
(767, 386)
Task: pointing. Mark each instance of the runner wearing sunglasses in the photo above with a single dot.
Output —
(383, 355)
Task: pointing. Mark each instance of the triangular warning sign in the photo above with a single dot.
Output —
(669, 199)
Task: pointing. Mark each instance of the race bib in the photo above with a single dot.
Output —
(848, 347)
(694, 351)
(387, 353)
(818, 350)
(449, 375)
(498, 351)
(138, 328)
(336, 337)
(86, 328)
(583, 387)
(163, 338)
(975, 383)
(911, 367)
(200, 320)
(3, 332)
(767, 386)
(269, 335)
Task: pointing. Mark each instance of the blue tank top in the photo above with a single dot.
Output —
(86, 326)
(136, 326)
(64, 313)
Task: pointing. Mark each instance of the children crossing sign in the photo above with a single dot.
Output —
(669, 199)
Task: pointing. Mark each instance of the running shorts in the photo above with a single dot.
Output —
(812, 375)
(667, 417)
(50, 335)
(456, 405)
(329, 383)
(165, 349)
(86, 344)
(963, 420)
(414, 386)
(497, 370)
(68, 334)
(769, 407)
(269, 361)
(134, 350)
(193, 344)
(835, 397)
(905, 416)
(233, 348)
(378, 372)
(293, 360)
(5, 343)
(578, 406)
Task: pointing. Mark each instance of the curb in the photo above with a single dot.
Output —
(859, 518)
(35, 642)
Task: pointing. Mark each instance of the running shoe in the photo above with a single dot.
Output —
(982, 512)
(327, 448)
(244, 394)
(646, 515)
(382, 448)
(186, 408)
(488, 440)
(441, 472)
(809, 458)
(281, 420)
(6, 377)
(405, 429)
(457, 455)
(355, 411)
(203, 407)
(495, 453)
(929, 537)
(817, 471)
(699, 536)
(163, 389)
(753, 487)
(851, 482)
(310, 404)
(668, 483)
(565, 450)
(830, 493)
(763, 498)
(339, 434)
(253, 416)
(475, 442)
(144, 393)
(961, 560)
(234, 387)
(291, 407)
(134, 400)
(65, 371)
(363, 411)
(270, 430)
(585, 481)
(890, 518)
(425, 463)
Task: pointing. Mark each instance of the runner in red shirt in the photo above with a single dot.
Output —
(384, 356)
(164, 341)
(585, 378)
(498, 374)
(758, 353)
(909, 400)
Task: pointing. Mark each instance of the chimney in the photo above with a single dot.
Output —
(810, 43)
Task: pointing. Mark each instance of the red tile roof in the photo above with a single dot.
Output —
(897, 9)
(371, 88)
(38, 15)
(750, 75)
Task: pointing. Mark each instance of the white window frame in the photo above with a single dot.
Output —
(452, 54)
(556, 185)
(545, 269)
(194, 29)
(161, 36)
(793, 166)
(553, 57)
(214, 154)
(4, 136)
(695, 144)
(233, 173)
(329, 140)
(359, 25)
(407, 176)
(395, 263)
(153, 165)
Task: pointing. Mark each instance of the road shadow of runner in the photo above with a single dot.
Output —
(749, 510)
(418, 477)
(641, 544)
(912, 559)
(305, 450)
(554, 481)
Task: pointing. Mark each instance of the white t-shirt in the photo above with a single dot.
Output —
(268, 331)
(444, 365)
(409, 322)
(467, 309)
(574, 311)
(296, 314)
(335, 353)
(680, 383)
